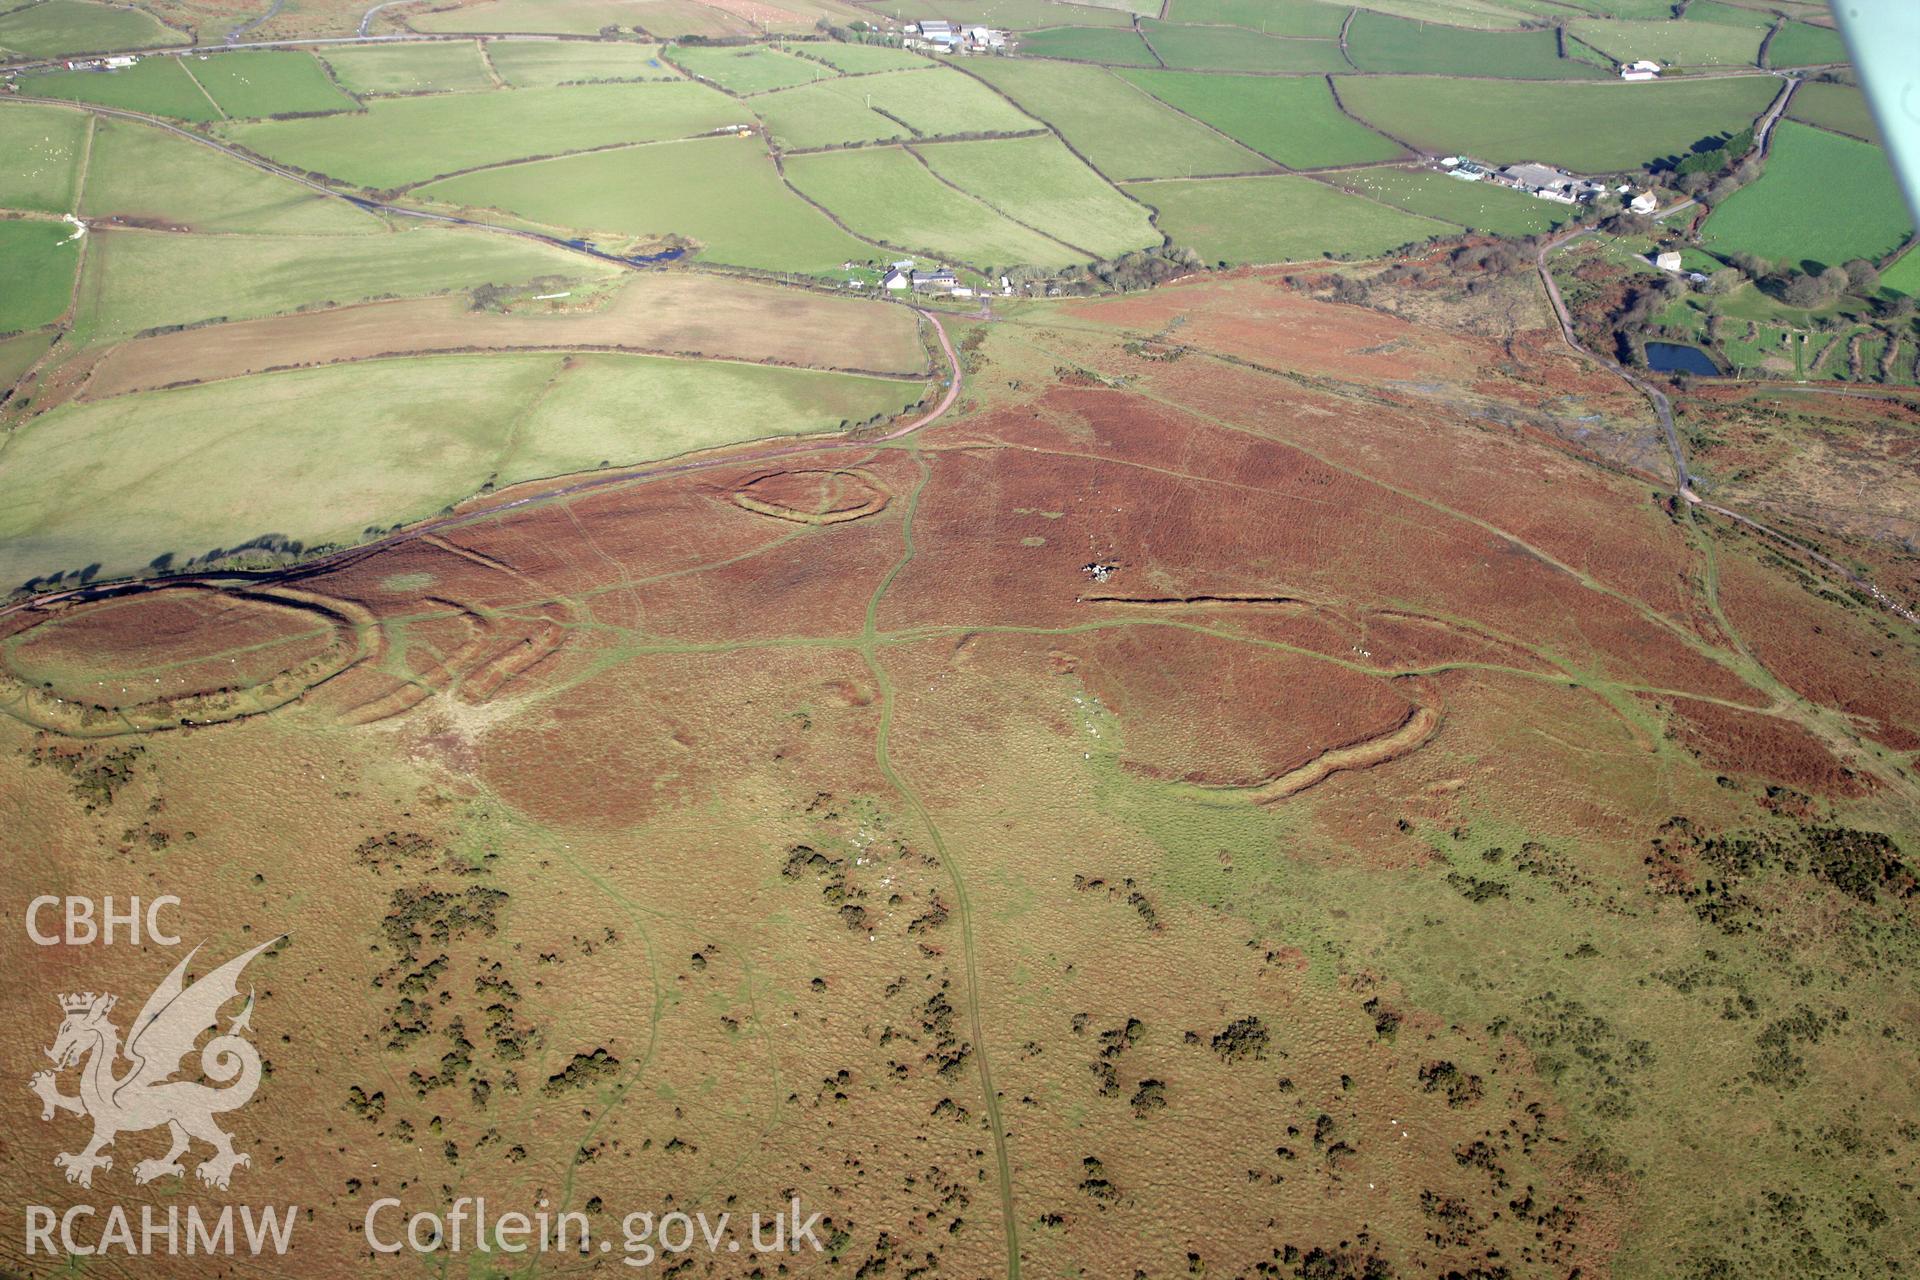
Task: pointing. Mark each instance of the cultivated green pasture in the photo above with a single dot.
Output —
(1479, 205)
(1123, 132)
(1015, 15)
(1903, 277)
(1690, 44)
(1733, 15)
(159, 86)
(54, 28)
(398, 141)
(626, 409)
(543, 64)
(1800, 44)
(1791, 211)
(1839, 107)
(320, 454)
(1378, 42)
(722, 192)
(1589, 128)
(1275, 17)
(1279, 219)
(1039, 182)
(862, 59)
(37, 261)
(560, 17)
(1232, 49)
(1290, 119)
(136, 280)
(18, 353)
(265, 82)
(436, 66)
(144, 174)
(885, 194)
(749, 68)
(930, 103)
(40, 155)
(1112, 45)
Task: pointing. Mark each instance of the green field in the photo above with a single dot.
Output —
(928, 104)
(1039, 182)
(40, 153)
(184, 471)
(1839, 107)
(1111, 45)
(1015, 15)
(862, 59)
(722, 192)
(543, 64)
(140, 280)
(263, 82)
(749, 69)
(1734, 15)
(1231, 49)
(438, 66)
(145, 174)
(885, 194)
(1279, 219)
(1802, 45)
(406, 140)
(18, 353)
(1598, 128)
(1275, 17)
(1292, 120)
(1122, 131)
(37, 260)
(1378, 42)
(561, 17)
(1903, 277)
(1479, 205)
(1791, 212)
(1691, 44)
(158, 86)
(53, 28)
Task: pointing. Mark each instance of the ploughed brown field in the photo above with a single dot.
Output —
(1205, 807)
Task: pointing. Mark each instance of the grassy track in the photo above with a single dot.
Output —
(1040, 183)
(1123, 132)
(1597, 128)
(1790, 210)
(404, 140)
(40, 150)
(1294, 121)
(722, 192)
(1279, 219)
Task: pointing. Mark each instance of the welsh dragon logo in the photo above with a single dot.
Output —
(144, 1095)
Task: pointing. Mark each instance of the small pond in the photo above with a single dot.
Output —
(1677, 357)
